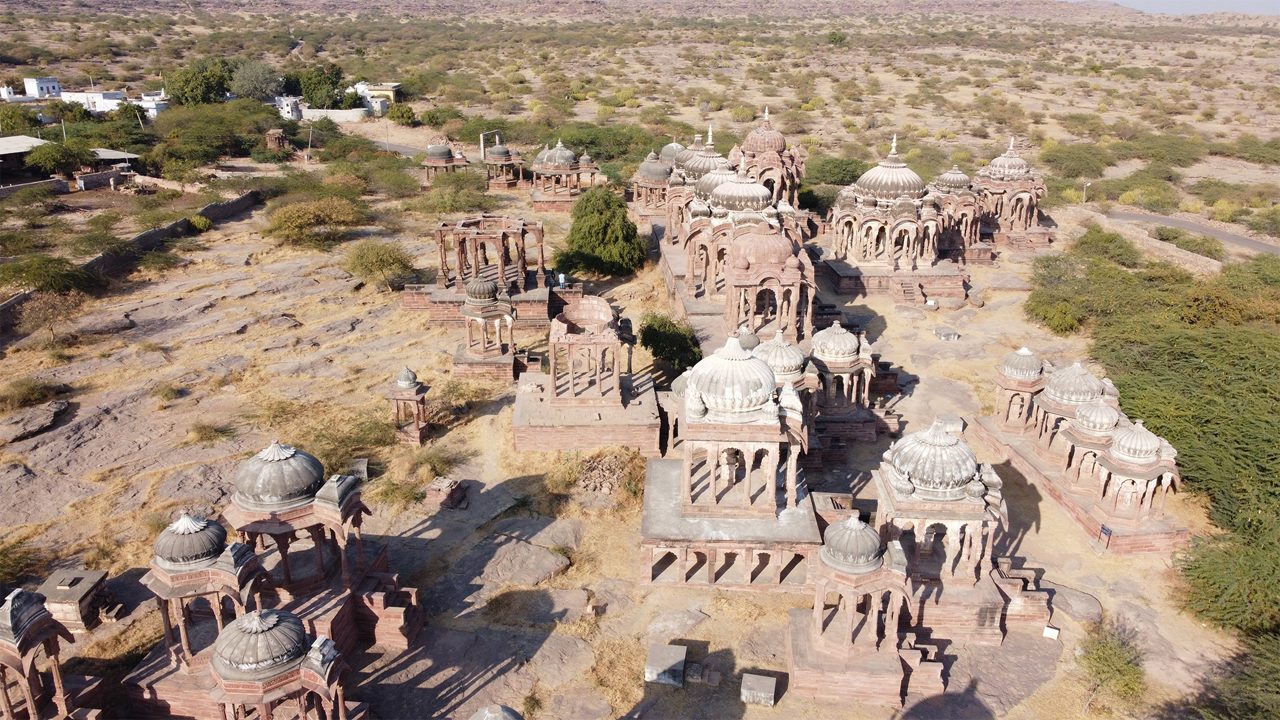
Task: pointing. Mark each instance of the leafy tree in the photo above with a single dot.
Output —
(207, 80)
(256, 80)
(41, 272)
(67, 111)
(198, 135)
(1113, 662)
(1108, 246)
(48, 312)
(321, 85)
(828, 170)
(454, 192)
(437, 117)
(17, 120)
(1077, 160)
(314, 223)
(384, 263)
(602, 238)
(671, 341)
(52, 158)
(402, 114)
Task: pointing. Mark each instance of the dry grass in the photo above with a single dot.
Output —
(619, 671)
(408, 475)
(335, 434)
(203, 433)
(112, 656)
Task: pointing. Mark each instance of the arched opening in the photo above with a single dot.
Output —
(766, 307)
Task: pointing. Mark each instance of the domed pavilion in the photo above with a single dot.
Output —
(1010, 192)
(559, 176)
(765, 156)
(650, 182)
(503, 166)
(441, 160)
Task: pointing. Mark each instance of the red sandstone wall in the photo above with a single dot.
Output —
(540, 439)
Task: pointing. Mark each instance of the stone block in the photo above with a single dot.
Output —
(946, 333)
(953, 424)
(759, 689)
(665, 665)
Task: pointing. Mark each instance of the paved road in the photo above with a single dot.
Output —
(1230, 238)
(402, 149)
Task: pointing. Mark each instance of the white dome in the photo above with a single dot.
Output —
(1074, 385)
(496, 712)
(1135, 444)
(786, 360)
(835, 344)
(1022, 364)
(740, 194)
(730, 382)
(713, 179)
(852, 547)
(937, 464)
(890, 179)
(1097, 416)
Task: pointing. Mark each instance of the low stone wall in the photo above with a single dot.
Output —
(353, 115)
(145, 241)
(56, 185)
(91, 181)
(148, 181)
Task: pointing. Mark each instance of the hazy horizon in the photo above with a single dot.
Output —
(1192, 7)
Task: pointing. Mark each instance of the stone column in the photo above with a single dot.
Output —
(163, 606)
(182, 630)
(6, 705)
(55, 669)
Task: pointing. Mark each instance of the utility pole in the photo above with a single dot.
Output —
(64, 131)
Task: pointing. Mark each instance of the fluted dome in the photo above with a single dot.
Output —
(190, 542)
(953, 180)
(835, 344)
(852, 546)
(1135, 443)
(1009, 166)
(1022, 364)
(558, 156)
(669, 152)
(259, 644)
(481, 291)
(786, 360)
(496, 712)
(890, 179)
(936, 463)
(764, 138)
(684, 155)
(498, 152)
(653, 169)
(703, 161)
(407, 379)
(1097, 416)
(764, 247)
(439, 152)
(730, 381)
(710, 181)
(278, 478)
(1073, 384)
(740, 194)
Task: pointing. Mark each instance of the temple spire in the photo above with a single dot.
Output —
(709, 140)
(893, 148)
(766, 113)
(1010, 143)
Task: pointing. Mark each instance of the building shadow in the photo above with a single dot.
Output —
(697, 700)
(963, 705)
(1024, 509)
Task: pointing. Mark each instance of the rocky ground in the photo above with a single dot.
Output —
(533, 605)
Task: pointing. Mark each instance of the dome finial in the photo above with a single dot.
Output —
(1010, 143)
(766, 113)
(709, 135)
(893, 148)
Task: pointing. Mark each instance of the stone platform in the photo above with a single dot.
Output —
(552, 201)
(500, 369)
(538, 424)
(1161, 535)
(772, 552)
(959, 611)
(945, 279)
(534, 299)
(864, 675)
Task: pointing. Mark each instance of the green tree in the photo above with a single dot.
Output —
(256, 80)
(671, 341)
(1113, 662)
(379, 262)
(17, 120)
(402, 114)
(602, 238)
(321, 85)
(314, 223)
(52, 158)
(828, 170)
(67, 111)
(207, 80)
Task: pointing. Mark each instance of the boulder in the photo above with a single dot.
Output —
(31, 421)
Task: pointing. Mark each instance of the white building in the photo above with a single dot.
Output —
(96, 101)
(42, 87)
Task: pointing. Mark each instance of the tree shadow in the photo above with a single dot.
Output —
(963, 705)
(1024, 509)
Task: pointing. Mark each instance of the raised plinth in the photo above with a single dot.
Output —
(498, 368)
(862, 675)
(960, 611)
(541, 424)
(946, 279)
(553, 201)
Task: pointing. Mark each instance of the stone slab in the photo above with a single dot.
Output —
(665, 665)
(759, 689)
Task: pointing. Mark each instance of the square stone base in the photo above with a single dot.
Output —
(864, 675)
(540, 425)
(497, 368)
(946, 279)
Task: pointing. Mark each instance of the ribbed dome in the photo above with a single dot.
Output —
(764, 138)
(938, 464)
(740, 194)
(1022, 364)
(653, 169)
(558, 156)
(498, 152)
(278, 478)
(704, 161)
(953, 180)
(669, 152)
(1009, 166)
(890, 179)
(835, 344)
(496, 712)
(1073, 384)
(765, 247)
(1135, 443)
(731, 380)
(1097, 416)
(190, 542)
(407, 379)
(747, 339)
(710, 181)
(439, 152)
(259, 644)
(786, 360)
(852, 546)
(481, 291)
(684, 155)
